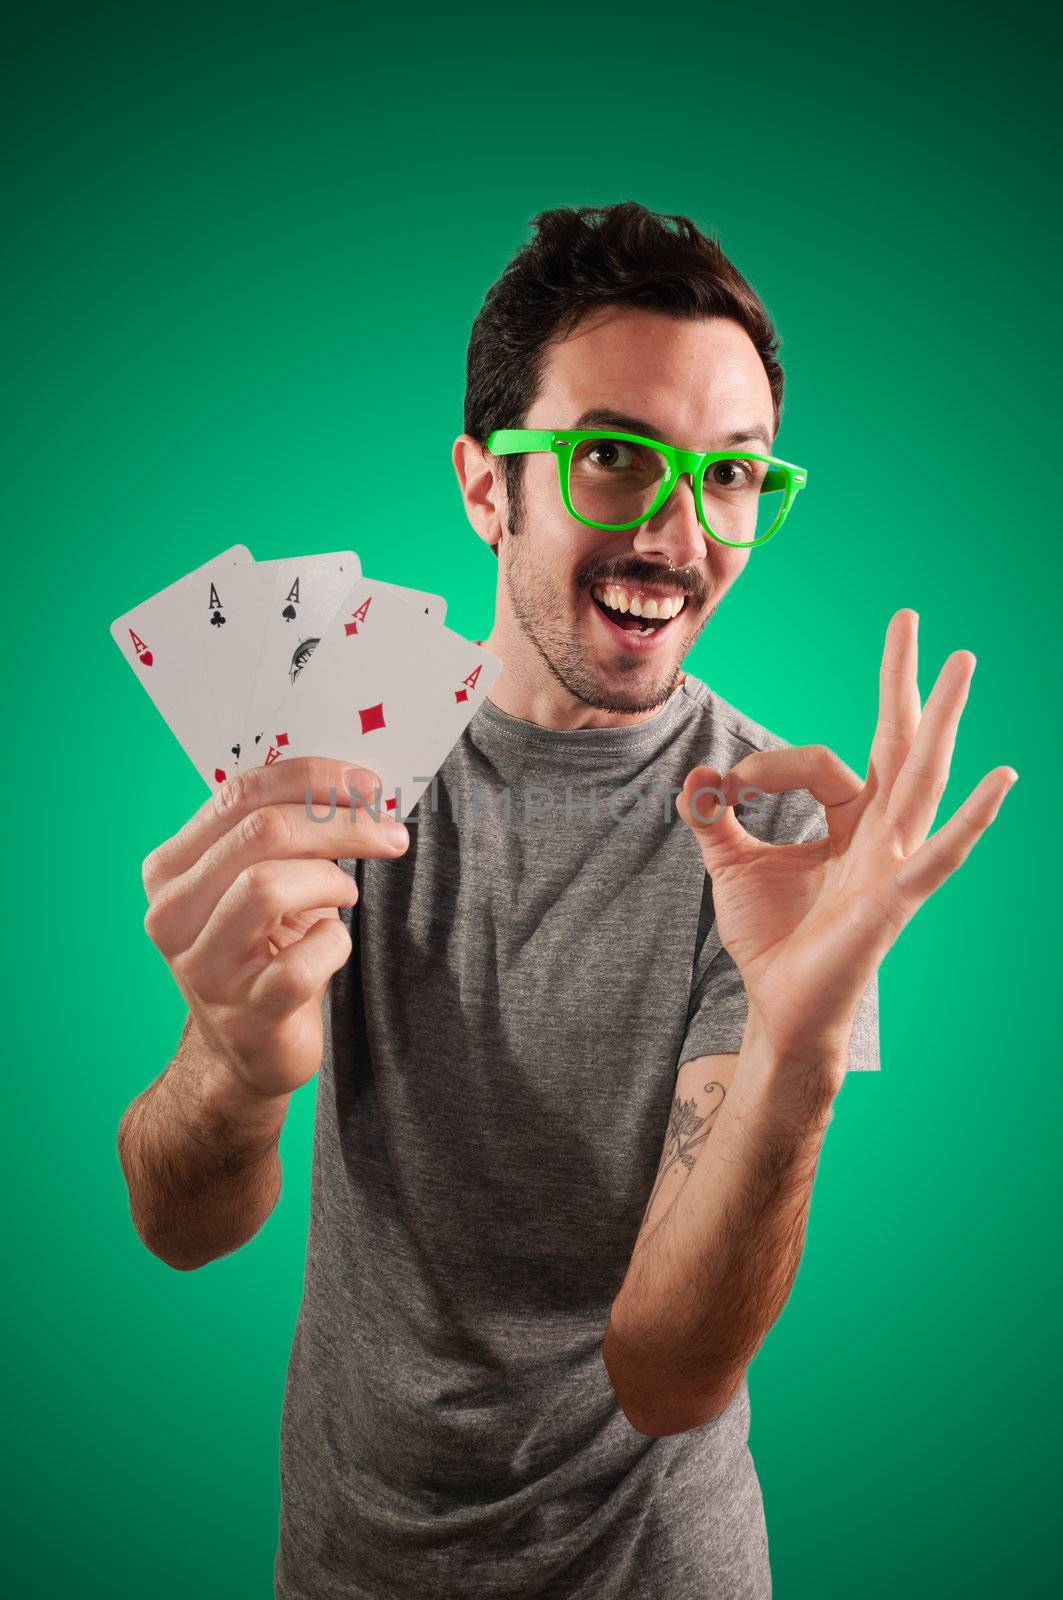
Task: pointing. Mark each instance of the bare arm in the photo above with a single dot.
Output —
(701, 1087)
(807, 925)
(200, 1159)
(709, 1277)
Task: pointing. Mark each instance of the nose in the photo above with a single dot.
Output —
(675, 532)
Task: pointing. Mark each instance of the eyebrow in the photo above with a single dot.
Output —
(602, 417)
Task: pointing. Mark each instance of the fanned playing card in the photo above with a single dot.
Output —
(300, 612)
(280, 608)
(173, 639)
(383, 691)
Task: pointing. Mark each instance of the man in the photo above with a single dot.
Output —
(519, 1366)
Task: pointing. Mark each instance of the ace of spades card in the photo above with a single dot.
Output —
(266, 603)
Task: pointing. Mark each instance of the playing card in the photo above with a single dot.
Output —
(385, 692)
(304, 601)
(277, 611)
(170, 641)
(244, 592)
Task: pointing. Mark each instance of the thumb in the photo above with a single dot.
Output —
(703, 806)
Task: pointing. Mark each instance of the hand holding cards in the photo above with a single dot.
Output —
(253, 662)
(250, 923)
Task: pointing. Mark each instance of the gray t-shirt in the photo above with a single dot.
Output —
(501, 1052)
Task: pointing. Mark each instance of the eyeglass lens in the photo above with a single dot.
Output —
(615, 481)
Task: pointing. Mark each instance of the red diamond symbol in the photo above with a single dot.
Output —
(282, 738)
(372, 717)
(349, 628)
(389, 805)
(461, 694)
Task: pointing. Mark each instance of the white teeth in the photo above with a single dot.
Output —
(619, 600)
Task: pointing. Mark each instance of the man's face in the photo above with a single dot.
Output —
(688, 383)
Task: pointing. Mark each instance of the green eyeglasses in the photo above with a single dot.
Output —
(615, 481)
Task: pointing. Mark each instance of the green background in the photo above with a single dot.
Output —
(241, 248)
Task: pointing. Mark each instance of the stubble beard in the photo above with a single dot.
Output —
(644, 687)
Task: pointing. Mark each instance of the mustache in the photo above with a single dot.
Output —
(647, 575)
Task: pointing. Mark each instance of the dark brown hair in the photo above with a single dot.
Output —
(581, 258)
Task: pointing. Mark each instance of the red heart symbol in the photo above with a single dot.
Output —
(219, 776)
(146, 659)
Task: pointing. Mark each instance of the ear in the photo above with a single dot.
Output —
(482, 488)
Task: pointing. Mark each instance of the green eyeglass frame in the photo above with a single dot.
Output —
(783, 475)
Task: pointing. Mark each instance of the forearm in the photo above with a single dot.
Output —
(199, 1155)
(706, 1284)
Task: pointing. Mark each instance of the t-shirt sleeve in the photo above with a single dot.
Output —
(716, 1017)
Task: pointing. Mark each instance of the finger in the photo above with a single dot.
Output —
(237, 930)
(296, 975)
(278, 832)
(949, 847)
(920, 783)
(703, 806)
(898, 701)
(814, 767)
(284, 782)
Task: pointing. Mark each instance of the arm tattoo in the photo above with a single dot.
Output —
(686, 1134)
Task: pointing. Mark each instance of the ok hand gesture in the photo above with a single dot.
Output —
(808, 924)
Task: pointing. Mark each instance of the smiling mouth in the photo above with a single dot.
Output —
(636, 611)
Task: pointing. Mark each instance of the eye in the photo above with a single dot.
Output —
(735, 473)
(613, 454)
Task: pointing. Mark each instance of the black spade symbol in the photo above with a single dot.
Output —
(217, 620)
(288, 613)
